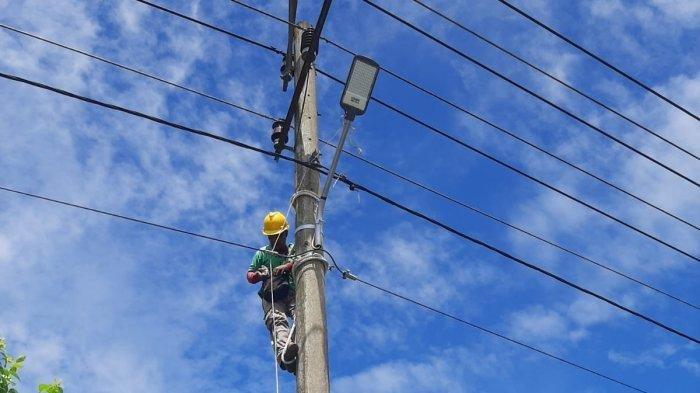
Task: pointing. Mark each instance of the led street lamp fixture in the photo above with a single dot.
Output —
(359, 86)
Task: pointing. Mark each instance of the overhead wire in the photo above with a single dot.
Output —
(494, 333)
(353, 186)
(599, 59)
(549, 75)
(343, 272)
(511, 226)
(457, 140)
(210, 26)
(531, 92)
(368, 162)
(521, 172)
(136, 71)
(472, 114)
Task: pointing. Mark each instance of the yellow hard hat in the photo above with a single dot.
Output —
(274, 224)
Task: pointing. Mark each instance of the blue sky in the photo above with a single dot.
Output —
(110, 306)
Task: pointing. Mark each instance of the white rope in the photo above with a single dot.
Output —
(272, 289)
(272, 299)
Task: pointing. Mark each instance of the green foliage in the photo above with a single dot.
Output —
(9, 373)
(54, 387)
(9, 370)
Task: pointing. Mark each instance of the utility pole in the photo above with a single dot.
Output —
(309, 275)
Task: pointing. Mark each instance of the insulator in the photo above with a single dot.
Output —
(279, 138)
(308, 47)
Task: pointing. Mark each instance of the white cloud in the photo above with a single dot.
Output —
(656, 357)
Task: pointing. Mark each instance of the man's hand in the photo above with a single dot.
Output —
(257, 275)
(263, 273)
(282, 269)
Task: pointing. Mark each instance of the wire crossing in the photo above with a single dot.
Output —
(516, 170)
(491, 124)
(521, 172)
(532, 93)
(353, 186)
(598, 58)
(373, 164)
(554, 78)
(240, 245)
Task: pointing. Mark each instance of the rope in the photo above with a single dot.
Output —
(272, 288)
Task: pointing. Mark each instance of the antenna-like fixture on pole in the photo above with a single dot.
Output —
(356, 96)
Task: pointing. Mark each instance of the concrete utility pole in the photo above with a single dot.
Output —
(311, 334)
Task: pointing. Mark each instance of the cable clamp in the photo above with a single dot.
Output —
(344, 179)
(304, 227)
(303, 193)
(347, 275)
(312, 258)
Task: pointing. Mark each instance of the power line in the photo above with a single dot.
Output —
(464, 144)
(210, 26)
(344, 273)
(531, 92)
(552, 77)
(382, 168)
(511, 226)
(127, 218)
(519, 171)
(139, 72)
(489, 123)
(494, 333)
(353, 186)
(598, 58)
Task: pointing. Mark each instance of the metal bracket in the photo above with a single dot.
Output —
(311, 258)
(303, 227)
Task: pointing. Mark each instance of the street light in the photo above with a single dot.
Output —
(359, 86)
(354, 100)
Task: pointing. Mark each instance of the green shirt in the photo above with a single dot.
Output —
(262, 258)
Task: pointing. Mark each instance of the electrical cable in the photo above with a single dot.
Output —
(373, 164)
(519, 171)
(552, 77)
(127, 218)
(598, 58)
(512, 226)
(531, 92)
(454, 139)
(490, 157)
(494, 333)
(353, 186)
(490, 123)
(236, 244)
(210, 26)
(136, 71)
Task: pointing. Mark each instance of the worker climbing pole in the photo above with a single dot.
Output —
(303, 349)
(272, 266)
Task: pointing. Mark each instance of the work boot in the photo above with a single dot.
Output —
(291, 353)
(292, 367)
(289, 358)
